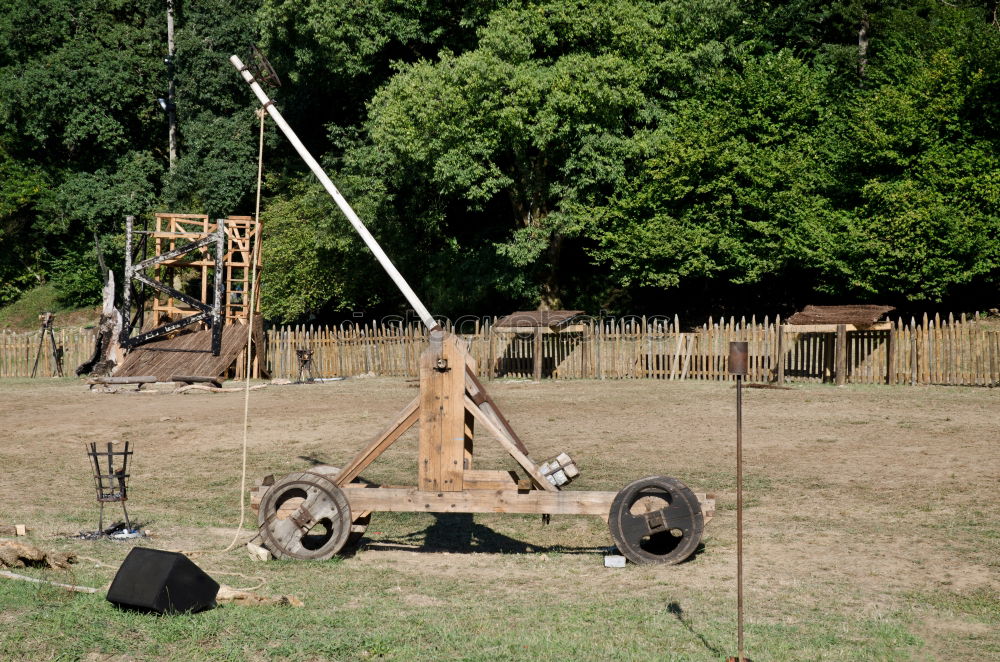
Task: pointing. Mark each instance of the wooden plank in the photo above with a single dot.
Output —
(521, 458)
(488, 479)
(141, 379)
(403, 422)
(530, 502)
(832, 328)
(442, 414)
(479, 501)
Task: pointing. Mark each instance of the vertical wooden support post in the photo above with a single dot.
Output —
(890, 355)
(841, 354)
(127, 283)
(538, 355)
(781, 353)
(442, 444)
(218, 314)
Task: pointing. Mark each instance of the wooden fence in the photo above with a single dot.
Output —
(927, 351)
(18, 352)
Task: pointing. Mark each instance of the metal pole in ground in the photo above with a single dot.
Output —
(738, 367)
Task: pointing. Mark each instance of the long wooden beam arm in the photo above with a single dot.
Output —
(324, 179)
(403, 422)
(520, 457)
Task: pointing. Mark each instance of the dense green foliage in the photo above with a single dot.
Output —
(613, 155)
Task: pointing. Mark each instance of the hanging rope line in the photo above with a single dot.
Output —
(261, 113)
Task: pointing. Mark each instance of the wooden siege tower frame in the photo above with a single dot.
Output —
(314, 514)
(190, 247)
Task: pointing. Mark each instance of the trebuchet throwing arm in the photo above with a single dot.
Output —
(380, 255)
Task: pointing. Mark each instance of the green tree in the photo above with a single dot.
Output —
(924, 155)
(20, 188)
(735, 186)
(538, 118)
(75, 80)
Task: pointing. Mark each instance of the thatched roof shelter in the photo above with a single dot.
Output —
(547, 320)
(858, 316)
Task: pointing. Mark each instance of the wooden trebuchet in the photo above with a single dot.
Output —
(303, 515)
(308, 515)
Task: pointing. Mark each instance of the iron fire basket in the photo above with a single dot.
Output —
(111, 483)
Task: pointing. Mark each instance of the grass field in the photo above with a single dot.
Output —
(872, 524)
(22, 315)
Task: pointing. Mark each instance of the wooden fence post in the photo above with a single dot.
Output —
(537, 372)
(890, 349)
(780, 358)
(841, 353)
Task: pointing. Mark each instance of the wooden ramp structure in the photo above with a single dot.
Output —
(186, 354)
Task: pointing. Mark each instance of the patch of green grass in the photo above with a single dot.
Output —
(378, 618)
(981, 603)
(22, 315)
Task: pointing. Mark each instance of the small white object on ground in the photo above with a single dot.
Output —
(125, 534)
(614, 561)
(258, 552)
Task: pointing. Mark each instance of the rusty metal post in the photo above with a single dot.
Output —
(738, 367)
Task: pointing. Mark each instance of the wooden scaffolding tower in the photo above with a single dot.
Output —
(172, 231)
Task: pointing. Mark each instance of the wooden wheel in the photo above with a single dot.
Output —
(360, 520)
(304, 516)
(656, 520)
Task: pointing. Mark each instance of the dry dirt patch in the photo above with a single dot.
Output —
(859, 498)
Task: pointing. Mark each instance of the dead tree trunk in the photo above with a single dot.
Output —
(106, 349)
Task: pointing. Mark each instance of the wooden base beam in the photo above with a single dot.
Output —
(479, 501)
(530, 502)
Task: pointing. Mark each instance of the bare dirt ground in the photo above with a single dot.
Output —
(861, 501)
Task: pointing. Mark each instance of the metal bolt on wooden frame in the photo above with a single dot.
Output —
(315, 514)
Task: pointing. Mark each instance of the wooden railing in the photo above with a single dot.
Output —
(931, 350)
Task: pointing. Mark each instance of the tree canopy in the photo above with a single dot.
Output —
(640, 156)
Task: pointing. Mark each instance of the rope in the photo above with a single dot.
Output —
(253, 299)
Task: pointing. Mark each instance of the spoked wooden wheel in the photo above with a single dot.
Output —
(304, 516)
(360, 520)
(656, 520)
